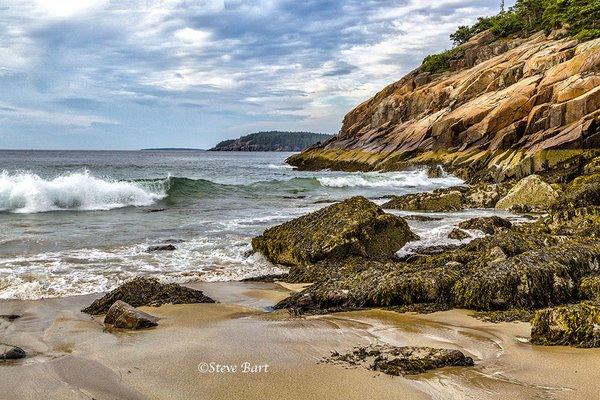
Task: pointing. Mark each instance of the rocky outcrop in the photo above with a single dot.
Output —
(354, 227)
(161, 247)
(531, 192)
(573, 325)
(122, 316)
(458, 234)
(406, 360)
(147, 292)
(455, 198)
(507, 108)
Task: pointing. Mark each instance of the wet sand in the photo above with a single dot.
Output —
(73, 357)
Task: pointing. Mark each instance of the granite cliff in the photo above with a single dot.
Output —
(501, 108)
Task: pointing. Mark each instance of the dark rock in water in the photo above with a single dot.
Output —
(571, 325)
(266, 278)
(407, 360)
(458, 234)
(8, 352)
(435, 171)
(451, 199)
(161, 247)
(355, 226)
(147, 292)
(422, 218)
(154, 210)
(488, 225)
(123, 316)
(10, 317)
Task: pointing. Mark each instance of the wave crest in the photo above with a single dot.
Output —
(30, 193)
(402, 179)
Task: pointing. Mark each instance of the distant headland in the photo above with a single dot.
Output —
(272, 141)
(171, 149)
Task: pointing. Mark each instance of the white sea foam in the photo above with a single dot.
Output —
(30, 193)
(280, 166)
(417, 178)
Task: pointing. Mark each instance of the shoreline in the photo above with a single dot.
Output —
(72, 356)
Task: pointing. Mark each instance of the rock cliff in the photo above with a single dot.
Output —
(504, 108)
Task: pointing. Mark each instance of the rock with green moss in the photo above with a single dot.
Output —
(488, 225)
(451, 199)
(582, 192)
(485, 195)
(571, 325)
(531, 191)
(589, 288)
(355, 226)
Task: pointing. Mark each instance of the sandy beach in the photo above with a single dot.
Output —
(238, 348)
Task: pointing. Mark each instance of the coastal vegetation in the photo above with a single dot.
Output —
(271, 141)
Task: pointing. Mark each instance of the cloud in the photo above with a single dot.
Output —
(70, 120)
(152, 64)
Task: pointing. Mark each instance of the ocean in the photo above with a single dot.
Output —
(78, 222)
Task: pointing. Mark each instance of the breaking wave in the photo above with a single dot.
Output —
(30, 193)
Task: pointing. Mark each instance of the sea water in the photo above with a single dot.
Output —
(76, 222)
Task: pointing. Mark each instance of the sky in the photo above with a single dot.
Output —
(130, 74)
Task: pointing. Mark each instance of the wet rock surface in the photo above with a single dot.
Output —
(10, 317)
(438, 201)
(123, 316)
(147, 292)
(8, 352)
(407, 360)
(458, 234)
(161, 247)
(488, 225)
(571, 325)
(352, 227)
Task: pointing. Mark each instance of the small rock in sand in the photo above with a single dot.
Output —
(123, 316)
(8, 352)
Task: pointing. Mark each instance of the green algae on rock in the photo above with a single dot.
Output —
(355, 226)
(440, 200)
(531, 191)
(573, 325)
(589, 288)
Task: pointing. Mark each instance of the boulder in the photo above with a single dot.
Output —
(355, 226)
(440, 200)
(582, 192)
(488, 225)
(123, 316)
(532, 192)
(571, 325)
(458, 234)
(485, 195)
(8, 352)
(406, 360)
(147, 292)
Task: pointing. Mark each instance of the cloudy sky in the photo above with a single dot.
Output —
(127, 74)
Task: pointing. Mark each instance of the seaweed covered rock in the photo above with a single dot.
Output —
(589, 288)
(532, 192)
(435, 171)
(355, 226)
(406, 360)
(147, 292)
(582, 192)
(488, 225)
(534, 279)
(450, 199)
(485, 195)
(121, 315)
(571, 325)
